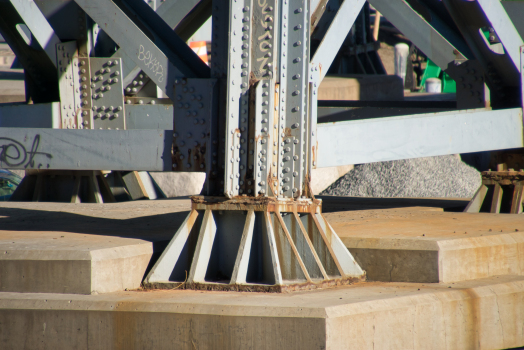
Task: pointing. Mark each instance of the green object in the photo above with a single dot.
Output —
(434, 71)
(448, 84)
(431, 71)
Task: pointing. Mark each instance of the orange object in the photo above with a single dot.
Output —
(200, 48)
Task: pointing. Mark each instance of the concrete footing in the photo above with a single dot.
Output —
(466, 287)
(432, 246)
(53, 264)
(481, 314)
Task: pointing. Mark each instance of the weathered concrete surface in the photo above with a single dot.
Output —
(322, 178)
(428, 245)
(177, 184)
(362, 87)
(58, 262)
(82, 248)
(480, 314)
(12, 85)
(410, 244)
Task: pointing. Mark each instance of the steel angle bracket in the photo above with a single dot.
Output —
(247, 244)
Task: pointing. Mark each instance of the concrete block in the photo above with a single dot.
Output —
(57, 262)
(178, 184)
(479, 314)
(428, 246)
(12, 85)
(362, 87)
(322, 178)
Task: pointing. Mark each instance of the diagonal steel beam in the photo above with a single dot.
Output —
(336, 34)
(423, 35)
(39, 27)
(508, 35)
(40, 71)
(154, 53)
(193, 20)
(174, 11)
(185, 16)
(318, 8)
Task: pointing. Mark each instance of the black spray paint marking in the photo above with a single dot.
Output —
(14, 153)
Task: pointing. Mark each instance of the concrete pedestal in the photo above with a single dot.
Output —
(481, 314)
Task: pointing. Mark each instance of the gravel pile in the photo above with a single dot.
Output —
(442, 176)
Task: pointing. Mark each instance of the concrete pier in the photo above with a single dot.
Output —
(436, 280)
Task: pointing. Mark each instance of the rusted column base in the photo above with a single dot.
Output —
(285, 288)
(500, 192)
(254, 244)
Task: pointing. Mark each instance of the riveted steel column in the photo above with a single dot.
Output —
(237, 106)
(294, 91)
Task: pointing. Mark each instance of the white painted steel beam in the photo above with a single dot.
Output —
(167, 261)
(203, 249)
(336, 34)
(422, 135)
(31, 148)
(39, 27)
(508, 35)
(413, 26)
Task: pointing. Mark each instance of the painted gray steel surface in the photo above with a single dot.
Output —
(85, 149)
(336, 34)
(414, 136)
(42, 115)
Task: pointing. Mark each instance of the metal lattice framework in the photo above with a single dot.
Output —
(94, 69)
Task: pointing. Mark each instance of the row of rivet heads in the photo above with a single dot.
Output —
(82, 23)
(261, 157)
(104, 112)
(494, 77)
(83, 90)
(189, 105)
(285, 155)
(264, 132)
(141, 102)
(244, 118)
(195, 144)
(476, 79)
(263, 146)
(314, 72)
(136, 84)
(278, 167)
(297, 50)
(189, 135)
(218, 61)
(68, 121)
(237, 150)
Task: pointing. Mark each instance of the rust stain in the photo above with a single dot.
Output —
(276, 288)
(124, 324)
(195, 157)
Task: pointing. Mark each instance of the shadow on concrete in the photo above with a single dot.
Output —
(10, 75)
(335, 204)
(157, 229)
(153, 228)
